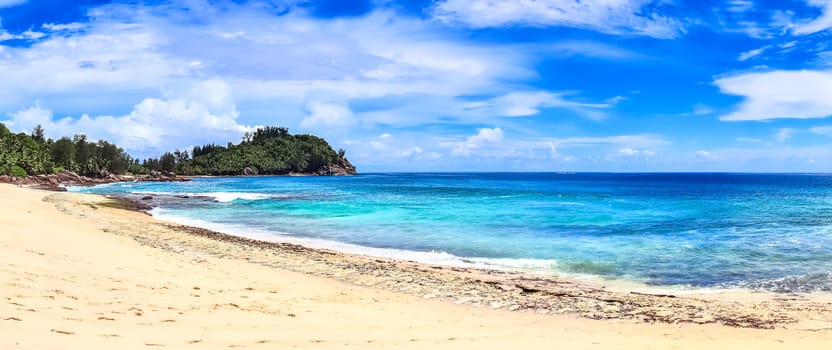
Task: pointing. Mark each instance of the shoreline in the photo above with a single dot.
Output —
(82, 272)
(133, 202)
(460, 262)
(511, 290)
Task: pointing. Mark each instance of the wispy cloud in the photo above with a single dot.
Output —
(707, 155)
(820, 23)
(740, 6)
(528, 103)
(747, 55)
(9, 3)
(784, 134)
(591, 49)
(822, 130)
(699, 109)
(628, 17)
(749, 140)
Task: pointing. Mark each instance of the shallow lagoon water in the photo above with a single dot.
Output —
(765, 231)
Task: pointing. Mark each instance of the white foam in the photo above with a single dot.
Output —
(226, 197)
(432, 257)
(223, 197)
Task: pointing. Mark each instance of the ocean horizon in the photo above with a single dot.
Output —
(764, 231)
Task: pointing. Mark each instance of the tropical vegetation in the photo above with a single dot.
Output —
(267, 150)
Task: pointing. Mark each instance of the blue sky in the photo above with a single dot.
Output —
(447, 85)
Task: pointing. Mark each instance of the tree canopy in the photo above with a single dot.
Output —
(267, 150)
(22, 154)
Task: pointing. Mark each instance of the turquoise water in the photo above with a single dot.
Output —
(771, 232)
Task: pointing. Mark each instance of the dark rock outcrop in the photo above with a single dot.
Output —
(344, 167)
(59, 181)
(161, 176)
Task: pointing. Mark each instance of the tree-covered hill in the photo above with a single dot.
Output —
(268, 150)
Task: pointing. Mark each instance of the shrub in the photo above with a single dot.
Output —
(18, 172)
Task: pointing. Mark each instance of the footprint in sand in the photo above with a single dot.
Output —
(61, 331)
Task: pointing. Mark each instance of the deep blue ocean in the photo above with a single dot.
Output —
(762, 231)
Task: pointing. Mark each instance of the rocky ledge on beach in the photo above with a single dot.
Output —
(58, 181)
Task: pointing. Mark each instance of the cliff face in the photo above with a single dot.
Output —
(343, 167)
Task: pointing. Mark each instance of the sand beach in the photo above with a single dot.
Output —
(80, 272)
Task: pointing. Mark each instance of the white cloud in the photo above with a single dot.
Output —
(748, 140)
(10, 3)
(108, 61)
(788, 45)
(382, 143)
(521, 104)
(25, 120)
(377, 75)
(154, 124)
(822, 130)
(53, 27)
(485, 137)
(635, 154)
(628, 151)
(779, 94)
(25, 35)
(410, 152)
(591, 49)
(784, 134)
(747, 55)
(776, 158)
(621, 141)
(821, 23)
(496, 148)
(700, 109)
(740, 6)
(528, 103)
(751, 29)
(631, 17)
(324, 115)
(706, 155)
(276, 63)
(553, 150)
